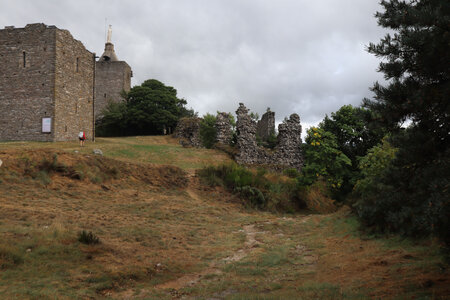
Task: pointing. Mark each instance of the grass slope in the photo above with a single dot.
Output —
(163, 235)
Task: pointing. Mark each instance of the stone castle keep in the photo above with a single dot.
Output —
(48, 84)
(111, 78)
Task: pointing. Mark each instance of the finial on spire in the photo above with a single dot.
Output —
(108, 39)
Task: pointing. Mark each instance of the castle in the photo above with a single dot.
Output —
(51, 86)
(111, 77)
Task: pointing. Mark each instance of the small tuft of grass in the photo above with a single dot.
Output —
(43, 177)
(88, 238)
(10, 257)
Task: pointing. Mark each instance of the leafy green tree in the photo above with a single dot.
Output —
(208, 131)
(354, 134)
(353, 131)
(153, 106)
(373, 166)
(323, 159)
(114, 120)
(416, 64)
(149, 109)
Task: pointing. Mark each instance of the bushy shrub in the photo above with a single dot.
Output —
(372, 167)
(208, 131)
(254, 195)
(317, 197)
(258, 188)
(88, 238)
(291, 172)
(10, 257)
(418, 206)
(323, 160)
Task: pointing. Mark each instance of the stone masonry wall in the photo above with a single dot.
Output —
(188, 132)
(223, 127)
(74, 88)
(266, 126)
(27, 78)
(111, 78)
(44, 72)
(288, 150)
(246, 137)
(287, 153)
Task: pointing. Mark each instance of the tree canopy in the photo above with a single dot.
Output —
(150, 108)
(415, 193)
(353, 131)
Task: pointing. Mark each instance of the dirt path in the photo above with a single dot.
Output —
(214, 268)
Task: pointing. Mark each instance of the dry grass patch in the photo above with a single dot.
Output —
(163, 235)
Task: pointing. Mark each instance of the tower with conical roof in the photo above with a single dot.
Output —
(112, 76)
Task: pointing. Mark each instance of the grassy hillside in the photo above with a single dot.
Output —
(163, 235)
(156, 150)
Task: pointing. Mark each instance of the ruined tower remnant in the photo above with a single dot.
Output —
(46, 84)
(246, 137)
(287, 153)
(266, 126)
(111, 77)
(188, 131)
(223, 127)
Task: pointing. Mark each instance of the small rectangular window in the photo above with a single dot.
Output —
(24, 59)
(78, 63)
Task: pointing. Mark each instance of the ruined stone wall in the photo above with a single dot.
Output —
(188, 132)
(246, 137)
(287, 153)
(27, 78)
(266, 126)
(111, 78)
(288, 150)
(223, 127)
(74, 88)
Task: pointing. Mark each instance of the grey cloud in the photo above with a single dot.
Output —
(297, 56)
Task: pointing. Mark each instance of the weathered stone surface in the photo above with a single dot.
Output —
(188, 131)
(287, 153)
(1, 162)
(246, 137)
(266, 126)
(44, 73)
(223, 127)
(111, 78)
(288, 150)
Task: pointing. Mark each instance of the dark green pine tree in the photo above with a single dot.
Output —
(413, 194)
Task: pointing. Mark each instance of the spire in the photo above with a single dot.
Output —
(108, 39)
(109, 54)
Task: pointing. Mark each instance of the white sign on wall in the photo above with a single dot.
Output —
(46, 125)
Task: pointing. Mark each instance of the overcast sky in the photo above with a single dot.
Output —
(302, 56)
